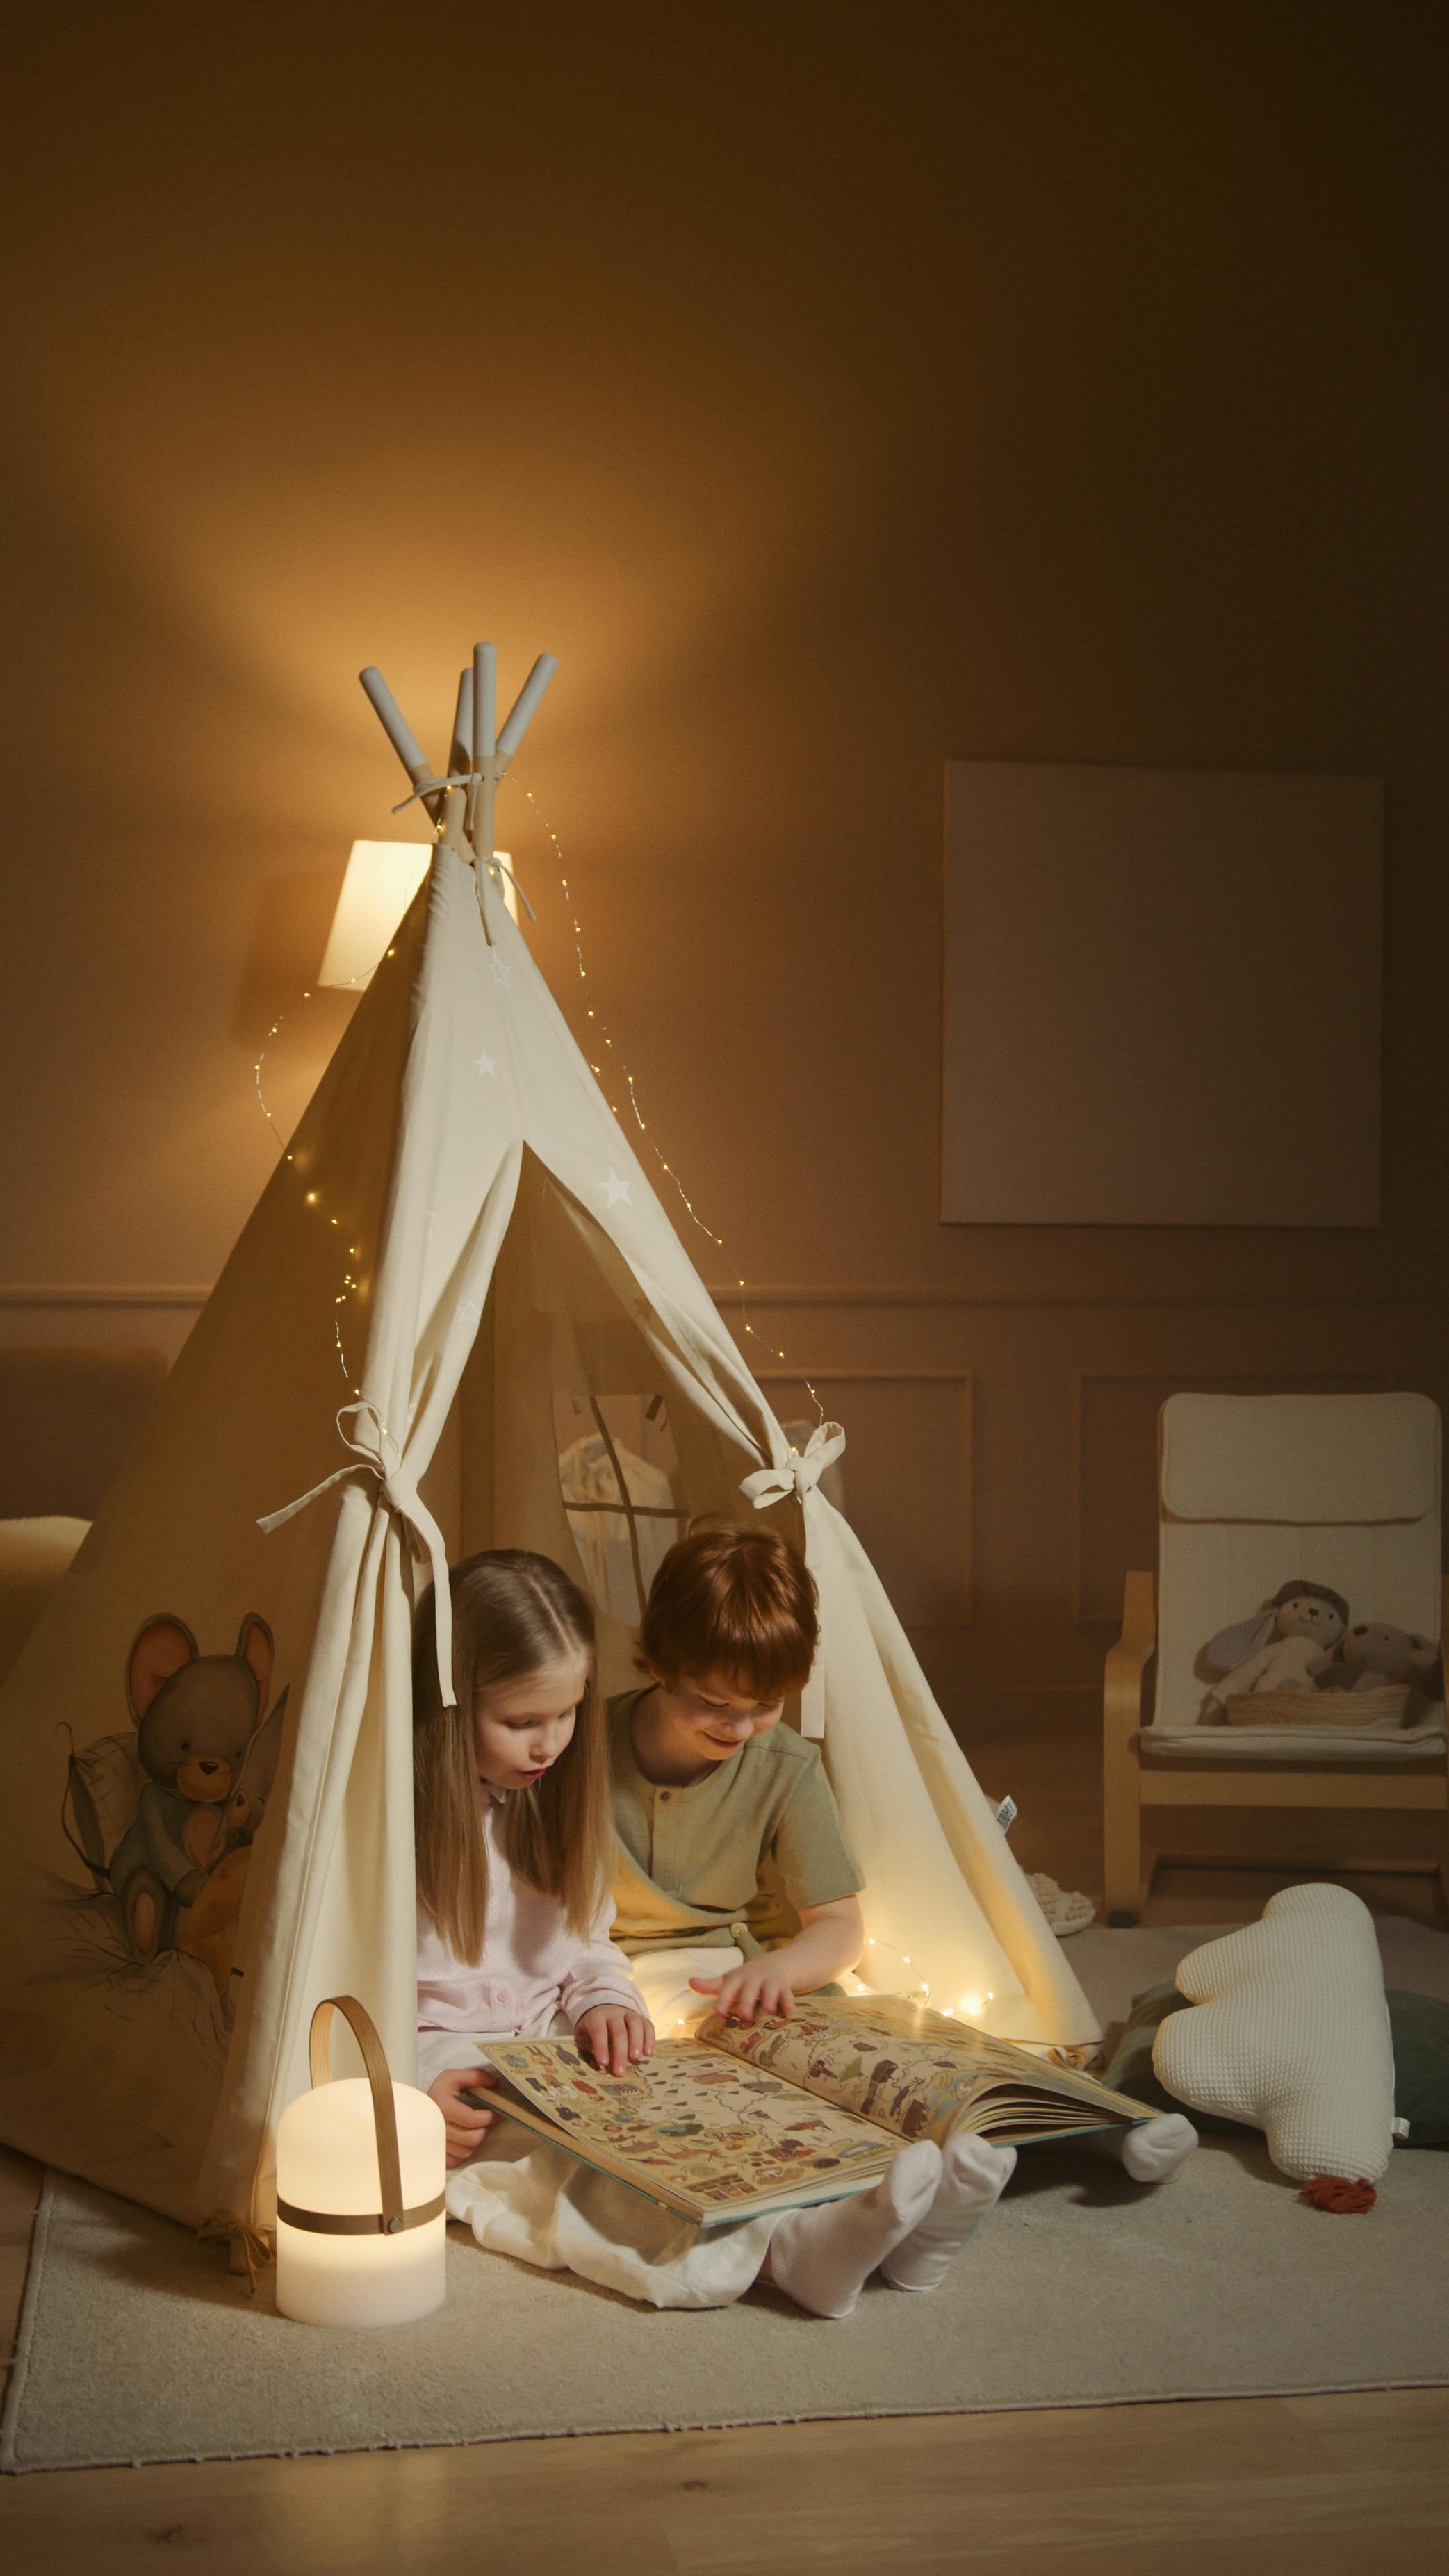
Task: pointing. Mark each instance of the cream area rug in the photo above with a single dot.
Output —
(1079, 2290)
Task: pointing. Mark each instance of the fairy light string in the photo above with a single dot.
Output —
(610, 1070)
(312, 1197)
(967, 2009)
(617, 1071)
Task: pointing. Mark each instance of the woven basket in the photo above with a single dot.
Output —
(1315, 1710)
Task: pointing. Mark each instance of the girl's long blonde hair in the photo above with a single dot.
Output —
(513, 1613)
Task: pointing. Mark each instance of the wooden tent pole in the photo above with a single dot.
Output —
(485, 744)
(460, 754)
(477, 746)
(526, 704)
(398, 731)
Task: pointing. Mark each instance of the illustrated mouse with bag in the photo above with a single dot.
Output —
(196, 1716)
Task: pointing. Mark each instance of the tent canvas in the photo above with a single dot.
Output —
(461, 1222)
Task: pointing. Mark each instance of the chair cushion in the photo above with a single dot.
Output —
(1255, 1490)
(1293, 2035)
(1300, 1458)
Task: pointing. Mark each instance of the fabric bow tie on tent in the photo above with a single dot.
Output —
(377, 1453)
(799, 1474)
(496, 865)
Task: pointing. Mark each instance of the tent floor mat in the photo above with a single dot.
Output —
(136, 2344)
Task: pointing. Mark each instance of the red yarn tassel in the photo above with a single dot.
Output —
(1335, 2192)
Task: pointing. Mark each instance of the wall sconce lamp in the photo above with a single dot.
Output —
(382, 878)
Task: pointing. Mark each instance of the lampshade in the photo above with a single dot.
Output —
(382, 878)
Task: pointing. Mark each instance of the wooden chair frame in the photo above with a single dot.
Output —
(1131, 1782)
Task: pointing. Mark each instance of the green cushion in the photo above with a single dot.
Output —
(1132, 2070)
(1420, 2026)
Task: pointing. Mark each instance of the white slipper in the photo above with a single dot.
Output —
(1066, 1909)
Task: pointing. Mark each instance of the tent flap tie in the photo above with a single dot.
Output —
(496, 864)
(378, 1454)
(799, 1475)
(250, 2247)
(801, 1472)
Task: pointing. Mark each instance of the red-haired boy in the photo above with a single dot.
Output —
(735, 1889)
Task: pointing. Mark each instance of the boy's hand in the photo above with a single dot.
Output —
(614, 2038)
(467, 2123)
(746, 1992)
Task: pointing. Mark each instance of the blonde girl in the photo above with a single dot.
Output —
(514, 1850)
(514, 1833)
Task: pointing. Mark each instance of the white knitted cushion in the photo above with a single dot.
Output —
(1291, 2034)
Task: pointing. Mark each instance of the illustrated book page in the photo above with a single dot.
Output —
(920, 2073)
(697, 2130)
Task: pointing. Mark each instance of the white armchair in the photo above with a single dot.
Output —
(1343, 1490)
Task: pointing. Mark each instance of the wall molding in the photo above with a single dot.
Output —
(826, 1297)
(92, 1293)
(1009, 1300)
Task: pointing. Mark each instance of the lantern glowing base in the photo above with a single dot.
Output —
(327, 2164)
(360, 2280)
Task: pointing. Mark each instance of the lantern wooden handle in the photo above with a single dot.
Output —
(379, 2076)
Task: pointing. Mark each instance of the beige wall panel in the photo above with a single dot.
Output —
(908, 1477)
(1135, 1020)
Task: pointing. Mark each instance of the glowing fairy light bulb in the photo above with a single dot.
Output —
(601, 1036)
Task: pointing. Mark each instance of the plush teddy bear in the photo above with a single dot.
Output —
(1287, 1647)
(1372, 1654)
(195, 1716)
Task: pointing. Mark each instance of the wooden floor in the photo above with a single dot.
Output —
(1285, 2486)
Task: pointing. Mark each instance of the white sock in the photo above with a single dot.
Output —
(1152, 2152)
(822, 2258)
(974, 2175)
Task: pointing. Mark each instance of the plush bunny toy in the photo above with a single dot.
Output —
(1285, 1648)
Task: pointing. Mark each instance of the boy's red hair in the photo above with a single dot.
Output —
(738, 1603)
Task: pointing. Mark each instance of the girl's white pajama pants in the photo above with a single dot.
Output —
(540, 2204)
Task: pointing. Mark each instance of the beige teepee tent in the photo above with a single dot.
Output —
(205, 1749)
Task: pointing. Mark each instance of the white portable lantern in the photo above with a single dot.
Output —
(361, 2162)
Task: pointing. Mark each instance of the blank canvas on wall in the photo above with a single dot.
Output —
(1162, 997)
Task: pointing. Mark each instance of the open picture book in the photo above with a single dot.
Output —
(743, 2118)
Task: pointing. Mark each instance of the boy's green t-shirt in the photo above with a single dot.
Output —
(730, 1861)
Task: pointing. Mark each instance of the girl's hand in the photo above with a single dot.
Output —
(746, 1992)
(466, 2122)
(615, 2039)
